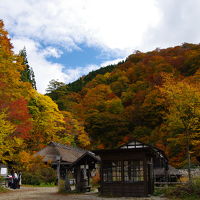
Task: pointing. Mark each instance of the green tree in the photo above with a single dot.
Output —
(54, 85)
(27, 75)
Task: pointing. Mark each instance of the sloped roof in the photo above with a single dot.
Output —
(87, 156)
(54, 150)
(135, 144)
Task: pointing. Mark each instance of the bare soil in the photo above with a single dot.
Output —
(50, 193)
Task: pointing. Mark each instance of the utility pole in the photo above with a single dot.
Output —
(188, 155)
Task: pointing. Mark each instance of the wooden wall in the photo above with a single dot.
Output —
(122, 188)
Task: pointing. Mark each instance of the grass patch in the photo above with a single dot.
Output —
(41, 185)
(181, 192)
(47, 185)
(3, 189)
(160, 191)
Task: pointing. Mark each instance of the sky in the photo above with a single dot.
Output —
(66, 39)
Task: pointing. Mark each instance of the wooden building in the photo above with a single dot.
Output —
(128, 170)
(82, 168)
(60, 156)
(67, 159)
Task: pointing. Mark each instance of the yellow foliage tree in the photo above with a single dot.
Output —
(48, 121)
(7, 145)
(183, 114)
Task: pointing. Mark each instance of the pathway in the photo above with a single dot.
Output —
(50, 193)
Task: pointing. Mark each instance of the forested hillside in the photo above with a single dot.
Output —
(57, 90)
(153, 97)
(28, 119)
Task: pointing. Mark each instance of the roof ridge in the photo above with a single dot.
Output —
(68, 147)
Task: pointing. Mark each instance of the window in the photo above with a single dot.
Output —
(116, 171)
(133, 171)
(112, 171)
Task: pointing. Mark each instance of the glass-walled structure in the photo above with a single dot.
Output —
(128, 170)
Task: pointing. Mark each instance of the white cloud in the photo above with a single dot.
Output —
(43, 69)
(111, 62)
(74, 74)
(178, 24)
(116, 26)
(52, 52)
(112, 25)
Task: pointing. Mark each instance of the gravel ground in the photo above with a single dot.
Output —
(50, 193)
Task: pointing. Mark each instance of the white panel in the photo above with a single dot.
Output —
(4, 171)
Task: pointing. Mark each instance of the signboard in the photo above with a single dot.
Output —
(4, 171)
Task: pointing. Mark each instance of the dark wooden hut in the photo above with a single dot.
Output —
(83, 167)
(128, 170)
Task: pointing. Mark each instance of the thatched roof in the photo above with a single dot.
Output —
(53, 151)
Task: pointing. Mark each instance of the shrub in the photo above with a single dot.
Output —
(96, 180)
(187, 191)
(34, 170)
(61, 186)
(40, 176)
(3, 189)
(31, 179)
(48, 175)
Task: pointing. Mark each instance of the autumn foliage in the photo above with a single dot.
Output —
(28, 119)
(153, 97)
(140, 99)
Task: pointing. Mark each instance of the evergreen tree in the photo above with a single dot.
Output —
(27, 75)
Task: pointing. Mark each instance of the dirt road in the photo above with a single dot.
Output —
(50, 193)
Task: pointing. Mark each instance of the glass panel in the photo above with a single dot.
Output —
(116, 171)
(133, 171)
(111, 171)
(107, 171)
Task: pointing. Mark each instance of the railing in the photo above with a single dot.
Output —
(3, 182)
(170, 183)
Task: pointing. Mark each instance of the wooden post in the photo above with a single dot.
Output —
(58, 158)
(146, 175)
(78, 179)
(67, 183)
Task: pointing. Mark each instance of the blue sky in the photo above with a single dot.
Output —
(66, 39)
(82, 57)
